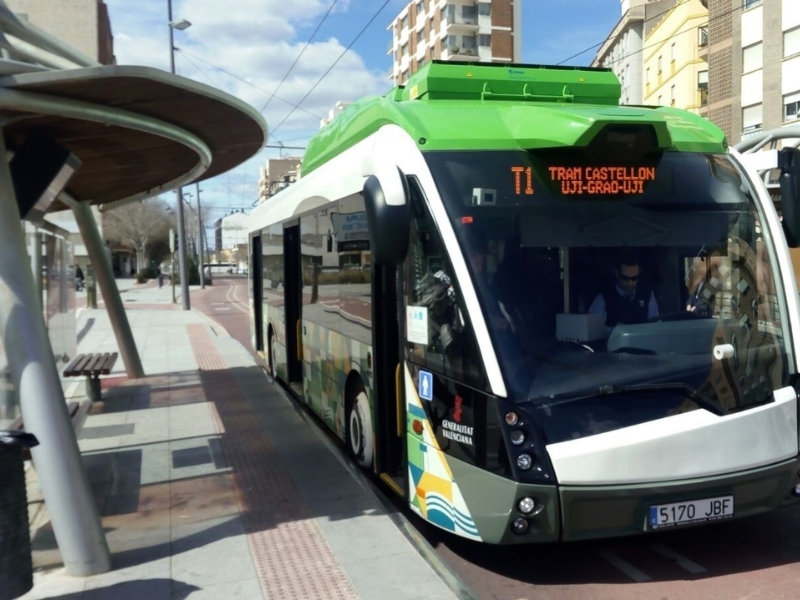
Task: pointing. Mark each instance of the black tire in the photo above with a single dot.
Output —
(358, 428)
(271, 356)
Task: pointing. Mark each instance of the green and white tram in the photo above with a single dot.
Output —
(425, 289)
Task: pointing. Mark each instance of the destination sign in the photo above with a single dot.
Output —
(601, 180)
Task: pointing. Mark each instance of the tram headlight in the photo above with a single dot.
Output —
(512, 418)
(526, 505)
(517, 437)
(524, 461)
(519, 526)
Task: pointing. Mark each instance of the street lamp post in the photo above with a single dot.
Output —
(200, 232)
(181, 24)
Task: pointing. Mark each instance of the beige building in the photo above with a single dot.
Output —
(622, 51)
(754, 65)
(457, 30)
(83, 24)
(277, 174)
(674, 72)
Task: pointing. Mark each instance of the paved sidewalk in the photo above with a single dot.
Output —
(212, 484)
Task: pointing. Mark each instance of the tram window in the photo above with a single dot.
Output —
(451, 349)
(272, 264)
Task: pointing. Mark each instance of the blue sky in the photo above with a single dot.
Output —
(246, 47)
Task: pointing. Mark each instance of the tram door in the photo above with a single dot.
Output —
(387, 311)
(293, 283)
(257, 291)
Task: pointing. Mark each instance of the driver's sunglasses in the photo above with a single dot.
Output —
(631, 278)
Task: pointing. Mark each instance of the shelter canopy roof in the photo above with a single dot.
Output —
(95, 113)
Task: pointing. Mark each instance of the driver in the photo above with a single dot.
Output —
(628, 301)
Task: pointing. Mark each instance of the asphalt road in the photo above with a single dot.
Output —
(753, 558)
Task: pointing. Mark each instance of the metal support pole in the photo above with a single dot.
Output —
(62, 478)
(108, 288)
(200, 232)
(179, 191)
(36, 259)
(182, 253)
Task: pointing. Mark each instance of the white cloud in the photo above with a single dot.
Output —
(257, 41)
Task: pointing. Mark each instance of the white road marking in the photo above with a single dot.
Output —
(231, 296)
(624, 566)
(681, 561)
(223, 308)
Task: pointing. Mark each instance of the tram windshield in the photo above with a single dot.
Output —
(609, 284)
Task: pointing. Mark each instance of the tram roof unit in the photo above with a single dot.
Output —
(509, 107)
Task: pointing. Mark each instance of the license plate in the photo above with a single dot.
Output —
(692, 511)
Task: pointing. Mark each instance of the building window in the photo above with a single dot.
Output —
(751, 118)
(421, 36)
(659, 65)
(751, 3)
(791, 42)
(485, 40)
(752, 58)
(672, 52)
(672, 95)
(404, 22)
(469, 13)
(404, 50)
(420, 8)
(647, 75)
(702, 87)
(484, 9)
(702, 36)
(791, 107)
(658, 100)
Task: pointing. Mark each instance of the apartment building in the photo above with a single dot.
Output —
(456, 30)
(622, 51)
(230, 231)
(276, 175)
(753, 65)
(674, 72)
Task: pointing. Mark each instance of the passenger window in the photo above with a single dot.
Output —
(451, 348)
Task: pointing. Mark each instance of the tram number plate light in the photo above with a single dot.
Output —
(693, 511)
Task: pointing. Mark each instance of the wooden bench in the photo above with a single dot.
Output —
(92, 366)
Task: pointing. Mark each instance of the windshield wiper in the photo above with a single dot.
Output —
(610, 390)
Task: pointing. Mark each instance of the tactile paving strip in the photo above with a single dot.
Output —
(290, 552)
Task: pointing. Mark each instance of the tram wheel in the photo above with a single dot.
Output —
(272, 357)
(358, 433)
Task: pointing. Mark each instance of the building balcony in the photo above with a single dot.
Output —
(460, 53)
(458, 24)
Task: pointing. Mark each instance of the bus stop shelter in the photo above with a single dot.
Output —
(78, 134)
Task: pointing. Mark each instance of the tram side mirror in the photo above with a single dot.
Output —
(388, 216)
(789, 165)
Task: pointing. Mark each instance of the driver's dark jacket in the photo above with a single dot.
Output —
(627, 311)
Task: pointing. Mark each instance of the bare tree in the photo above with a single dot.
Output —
(139, 224)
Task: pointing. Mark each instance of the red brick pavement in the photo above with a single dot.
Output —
(290, 552)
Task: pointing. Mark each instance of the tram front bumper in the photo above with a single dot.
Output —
(611, 511)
